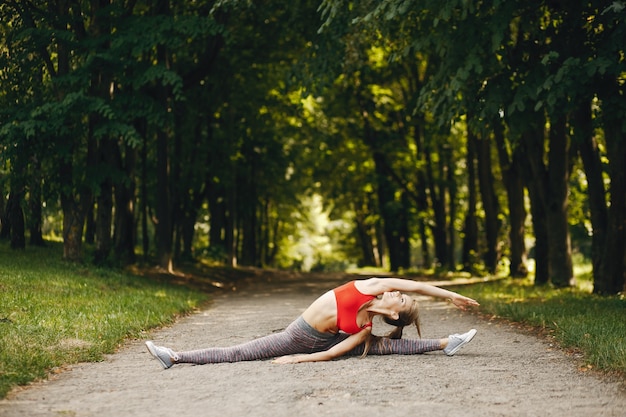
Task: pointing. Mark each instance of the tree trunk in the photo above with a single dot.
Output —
(421, 199)
(74, 203)
(550, 189)
(100, 28)
(439, 209)
(531, 147)
(5, 232)
(517, 219)
(75, 198)
(393, 215)
(163, 226)
(364, 239)
(124, 237)
(381, 244)
(15, 213)
(265, 230)
(230, 223)
(446, 154)
(177, 199)
(104, 205)
(559, 251)
(124, 248)
(248, 215)
(404, 236)
(90, 224)
(490, 202)
(16, 217)
(217, 215)
(612, 278)
(89, 236)
(73, 220)
(140, 125)
(187, 231)
(5, 225)
(510, 165)
(540, 230)
(192, 203)
(163, 204)
(470, 229)
(585, 140)
(34, 203)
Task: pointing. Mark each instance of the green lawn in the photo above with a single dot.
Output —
(578, 320)
(54, 313)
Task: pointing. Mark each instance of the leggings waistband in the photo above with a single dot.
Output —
(304, 326)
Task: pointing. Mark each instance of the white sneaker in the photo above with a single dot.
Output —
(165, 356)
(457, 341)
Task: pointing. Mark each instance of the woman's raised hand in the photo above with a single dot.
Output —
(463, 302)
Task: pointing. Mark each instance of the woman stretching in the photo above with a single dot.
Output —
(339, 323)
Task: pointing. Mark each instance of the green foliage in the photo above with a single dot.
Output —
(264, 104)
(53, 313)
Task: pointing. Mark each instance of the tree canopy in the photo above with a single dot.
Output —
(319, 134)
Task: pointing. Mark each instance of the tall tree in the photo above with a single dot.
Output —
(491, 205)
(99, 29)
(609, 69)
(470, 228)
(511, 167)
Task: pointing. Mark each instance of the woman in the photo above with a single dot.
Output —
(339, 323)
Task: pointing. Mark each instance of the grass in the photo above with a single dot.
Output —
(578, 320)
(54, 313)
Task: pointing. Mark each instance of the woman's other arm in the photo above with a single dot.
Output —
(336, 351)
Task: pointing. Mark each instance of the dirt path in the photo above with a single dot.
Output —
(500, 373)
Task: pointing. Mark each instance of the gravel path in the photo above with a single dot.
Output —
(502, 372)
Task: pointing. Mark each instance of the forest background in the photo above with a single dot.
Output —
(319, 135)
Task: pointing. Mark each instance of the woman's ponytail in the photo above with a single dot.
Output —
(406, 318)
(396, 333)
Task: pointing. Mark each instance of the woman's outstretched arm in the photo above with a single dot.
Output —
(375, 286)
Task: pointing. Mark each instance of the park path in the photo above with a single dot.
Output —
(502, 372)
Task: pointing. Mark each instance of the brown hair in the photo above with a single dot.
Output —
(406, 317)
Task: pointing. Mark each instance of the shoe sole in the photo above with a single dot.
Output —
(152, 350)
(472, 333)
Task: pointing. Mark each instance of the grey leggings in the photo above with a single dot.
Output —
(301, 337)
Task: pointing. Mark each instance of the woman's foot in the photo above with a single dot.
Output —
(457, 341)
(165, 356)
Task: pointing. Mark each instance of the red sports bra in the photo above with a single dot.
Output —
(349, 300)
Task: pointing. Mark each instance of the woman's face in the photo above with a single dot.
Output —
(396, 301)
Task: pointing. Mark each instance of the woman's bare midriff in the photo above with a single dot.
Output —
(322, 313)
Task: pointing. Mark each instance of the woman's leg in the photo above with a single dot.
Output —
(298, 337)
(387, 346)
